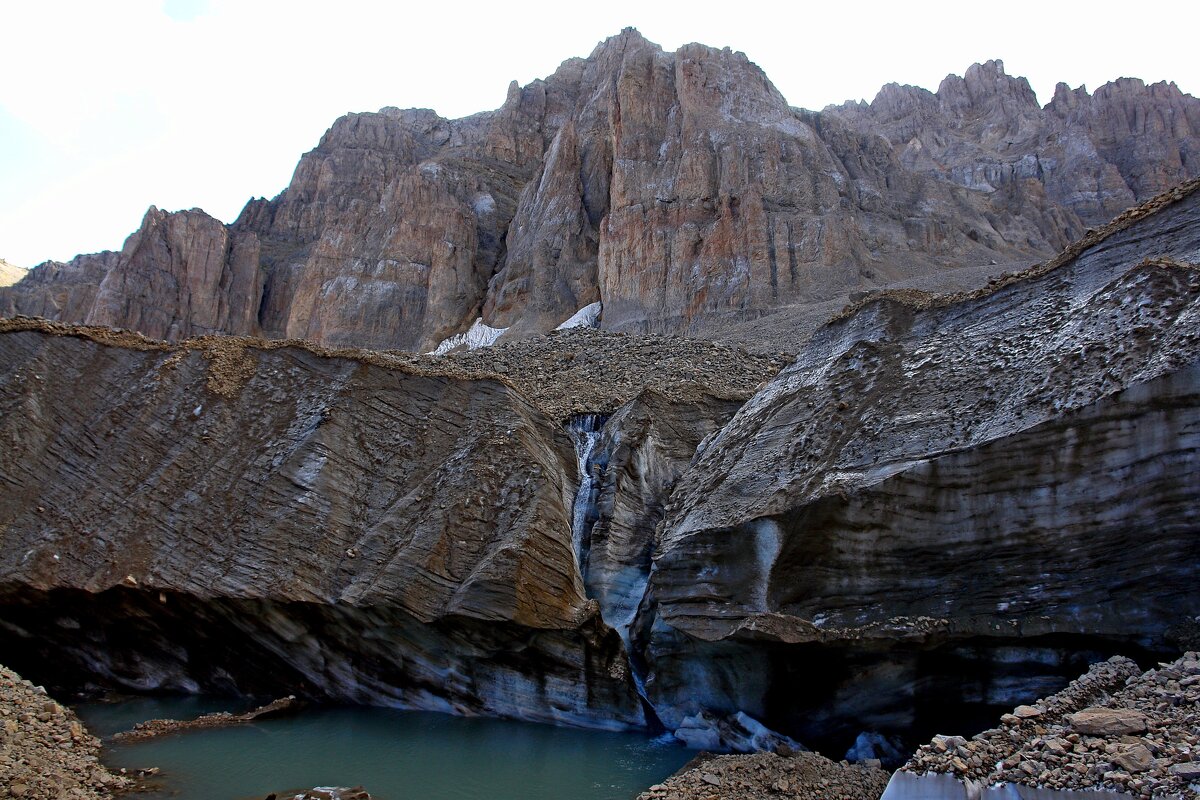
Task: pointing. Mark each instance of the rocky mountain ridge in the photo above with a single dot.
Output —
(10, 273)
(677, 189)
(379, 528)
(1094, 154)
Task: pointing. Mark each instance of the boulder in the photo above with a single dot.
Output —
(1107, 722)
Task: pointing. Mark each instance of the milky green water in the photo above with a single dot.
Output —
(393, 754)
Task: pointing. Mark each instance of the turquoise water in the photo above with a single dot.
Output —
(393, 754)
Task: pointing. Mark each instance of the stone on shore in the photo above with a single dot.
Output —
(45, 752)
(799, 774)
(1114, 732)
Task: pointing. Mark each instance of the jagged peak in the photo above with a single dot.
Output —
(1137, 86)
(627, 38)
(847, 105)
(156, 213)
(892, 96)
(409, 113)
(984, 80)
(1066, 98)
(993, 67)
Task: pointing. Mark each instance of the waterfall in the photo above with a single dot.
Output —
(585, 430)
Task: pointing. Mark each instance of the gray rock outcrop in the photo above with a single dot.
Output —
(1092, 154)
(1015, 464)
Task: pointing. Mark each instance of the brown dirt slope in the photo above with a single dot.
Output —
(568, 372)
(10, 273)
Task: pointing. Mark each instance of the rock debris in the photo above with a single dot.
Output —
(45, 752)
(790, 774)
(1115, 728)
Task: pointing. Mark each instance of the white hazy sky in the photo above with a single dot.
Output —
(109, 107)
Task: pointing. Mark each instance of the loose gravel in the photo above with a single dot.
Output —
(804, 775)
(45, 752)
(1115, 728)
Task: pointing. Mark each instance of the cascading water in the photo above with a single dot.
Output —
(585, 431)
(619, 583)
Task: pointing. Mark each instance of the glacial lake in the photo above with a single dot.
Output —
(392, 754)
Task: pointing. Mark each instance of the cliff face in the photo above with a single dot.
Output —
(945, 503)
(55, 290)
(1093, 154)
(362, 533)
(678, 189)
(1016, 469)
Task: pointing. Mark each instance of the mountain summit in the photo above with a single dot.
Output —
(678, 190)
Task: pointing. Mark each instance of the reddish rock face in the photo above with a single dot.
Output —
(678, 189)
(181, 274)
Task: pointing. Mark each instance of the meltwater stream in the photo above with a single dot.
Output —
(392, 754)
(585, 431)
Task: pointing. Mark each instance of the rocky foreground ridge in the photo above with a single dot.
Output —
(45, 752)
(679, 190)
(1114, 732)
(900, 526)
(803, 775)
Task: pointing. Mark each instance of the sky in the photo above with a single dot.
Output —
(107, 108)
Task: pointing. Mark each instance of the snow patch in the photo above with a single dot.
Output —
(479, 335)
(585, 317)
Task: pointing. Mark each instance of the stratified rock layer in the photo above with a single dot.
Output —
(678, 190)
(1017, 466)
(353, 531)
